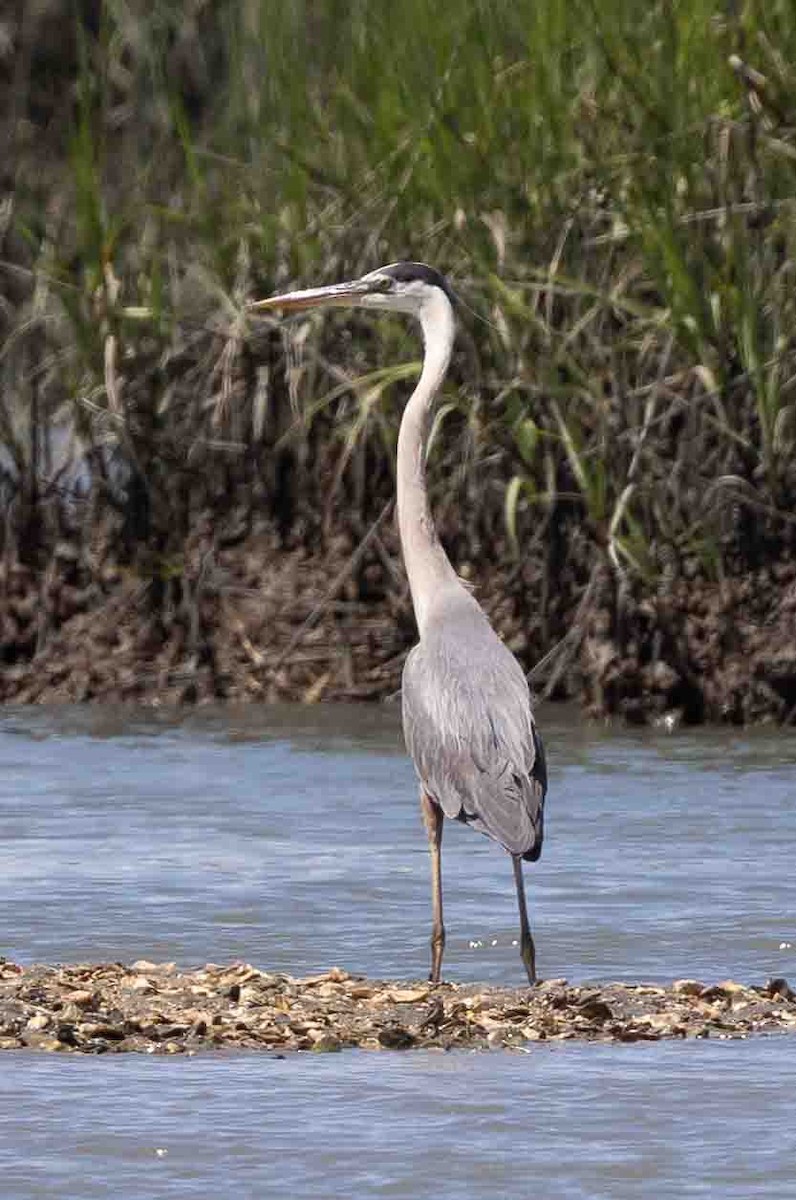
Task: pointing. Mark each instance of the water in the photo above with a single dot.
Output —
(291, 839)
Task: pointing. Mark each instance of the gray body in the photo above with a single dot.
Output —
(470, 730)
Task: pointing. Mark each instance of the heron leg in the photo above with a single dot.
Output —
(527, 948)
(432, 819)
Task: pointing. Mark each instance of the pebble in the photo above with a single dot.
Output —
(141, 984)
(395, 1037)
(330, 989)
(327, 1044)
(362, 991)
(408, 995)
(100, 1029)
(594, 1009)
(688, 987)
(81, 998)
(731, 987)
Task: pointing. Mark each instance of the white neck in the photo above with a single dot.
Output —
(427, 565)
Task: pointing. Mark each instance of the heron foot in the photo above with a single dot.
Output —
(528, 952)
(437, 951)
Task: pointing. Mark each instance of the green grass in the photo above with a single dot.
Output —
(610, 185)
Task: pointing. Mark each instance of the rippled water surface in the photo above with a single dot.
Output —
(291, 839)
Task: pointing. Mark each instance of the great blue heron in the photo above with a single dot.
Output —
(467, 712)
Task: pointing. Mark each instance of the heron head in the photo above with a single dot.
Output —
(399, 287)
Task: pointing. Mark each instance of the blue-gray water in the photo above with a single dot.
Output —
(291, 839)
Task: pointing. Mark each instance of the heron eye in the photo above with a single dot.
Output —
(384, 283)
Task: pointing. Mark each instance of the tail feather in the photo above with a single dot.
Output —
(509, 812)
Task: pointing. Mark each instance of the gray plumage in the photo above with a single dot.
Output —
(466, 705)
(470, 730)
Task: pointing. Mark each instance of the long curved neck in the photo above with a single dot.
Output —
(427, 565)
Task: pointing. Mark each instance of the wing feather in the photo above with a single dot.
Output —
(470, 731)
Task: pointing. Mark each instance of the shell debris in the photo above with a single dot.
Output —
(158, 1009)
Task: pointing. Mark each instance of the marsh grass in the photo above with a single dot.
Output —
(610, 186)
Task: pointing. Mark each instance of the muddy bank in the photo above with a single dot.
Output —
(154, 1008)
(258, 622)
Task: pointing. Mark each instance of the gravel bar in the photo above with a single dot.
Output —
(155, 1008)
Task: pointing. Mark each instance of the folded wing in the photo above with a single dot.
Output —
(470, 731)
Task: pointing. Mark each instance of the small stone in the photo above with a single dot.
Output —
(713, 994)
(170, 1032)
(730, 987)
(594, 1009)
(272, 1035)
(780, 987)
(50, 1044)
(665, 1022)
(378, 998)
(81, 998)
(361, 991)
(636, 1032)
(409, 995)
(38, 1021)
(434, 1017)
(330, 989)
(550, 985)
(141, 984)
(709, 1010)
(310, 981)
(70, 1012)
(490, 1023)
(327, 1044)
(247, 973)
(100, 1029)
(395, 1037)
(688, 987)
